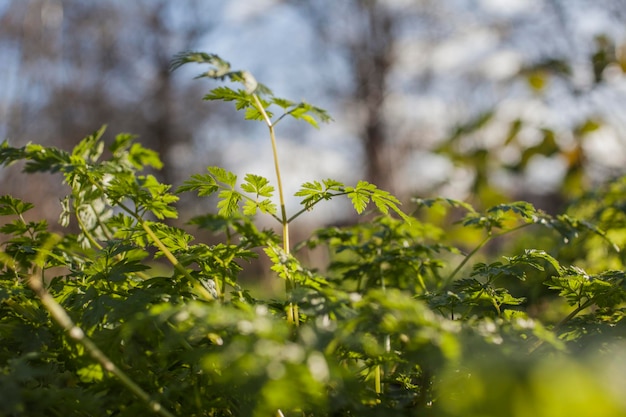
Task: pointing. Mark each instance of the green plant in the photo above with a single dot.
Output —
(257, 100)
(405, 319)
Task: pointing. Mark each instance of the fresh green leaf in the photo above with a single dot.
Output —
(204, 184)
(229, 202)
(13, 206)
(223, 176)
(258, 185)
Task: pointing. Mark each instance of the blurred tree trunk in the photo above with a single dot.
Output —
(371, 55)
(160, 125)
(366, 36)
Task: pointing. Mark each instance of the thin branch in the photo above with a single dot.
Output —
(561, 323)
(159, 244)
(304, 210)
(488, 238)
(86, 232)
(175, 263)
(460, 266)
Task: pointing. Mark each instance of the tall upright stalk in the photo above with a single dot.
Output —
(248, 98)
(292, 309)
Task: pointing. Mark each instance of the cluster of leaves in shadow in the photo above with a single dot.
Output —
(405, 319)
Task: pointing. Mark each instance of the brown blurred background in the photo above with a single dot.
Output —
(482, 100)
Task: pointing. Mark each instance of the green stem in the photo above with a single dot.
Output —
(486, 240)
(561, 323)
(309, 207)
(86, 232)
(282, 116)
(460, 266)
(95, 243)
(573, 314)
(292, 310)
(30, 231)
(104, 227)
(159, 244)
(78, 335)
(278, 219)
(172, 259)
(387, 339)
(283, 211)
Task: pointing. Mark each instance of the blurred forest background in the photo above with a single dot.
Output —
(481, 100)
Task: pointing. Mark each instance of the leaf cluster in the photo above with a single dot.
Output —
(257, 192)
(255, 99)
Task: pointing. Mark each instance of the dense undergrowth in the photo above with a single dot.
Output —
(446, 311)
